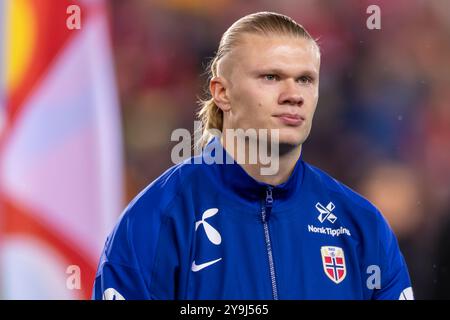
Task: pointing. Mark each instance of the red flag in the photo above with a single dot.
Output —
(60, 149)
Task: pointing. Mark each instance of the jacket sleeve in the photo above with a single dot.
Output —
(147, 255)
(119, 275)
(395, 281)
(127, 266)
(119, 282)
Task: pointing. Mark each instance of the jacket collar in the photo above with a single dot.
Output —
(237, 180)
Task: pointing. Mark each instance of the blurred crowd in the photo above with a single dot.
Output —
(383, 120)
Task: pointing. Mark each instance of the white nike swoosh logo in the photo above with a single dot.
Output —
(199, 267)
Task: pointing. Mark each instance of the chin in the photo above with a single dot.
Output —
(292, 139)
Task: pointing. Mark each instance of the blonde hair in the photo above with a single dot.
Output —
(261, 23)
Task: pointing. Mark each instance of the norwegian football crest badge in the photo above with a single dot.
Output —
(333, 261)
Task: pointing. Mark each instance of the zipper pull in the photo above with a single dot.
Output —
(269, 198)
(267, 205)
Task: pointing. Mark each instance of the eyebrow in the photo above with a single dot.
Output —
(263, 70)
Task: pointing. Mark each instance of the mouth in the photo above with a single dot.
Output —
(290, 119)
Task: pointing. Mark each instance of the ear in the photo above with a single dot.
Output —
(218, 88)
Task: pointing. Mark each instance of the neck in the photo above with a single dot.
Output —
(287, 158)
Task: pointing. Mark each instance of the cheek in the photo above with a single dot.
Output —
(313, 99)
(239, 97)
(312, 92)
(249, 100)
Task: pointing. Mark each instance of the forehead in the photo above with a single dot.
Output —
(277, 51)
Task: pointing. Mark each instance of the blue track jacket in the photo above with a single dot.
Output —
(210, 231)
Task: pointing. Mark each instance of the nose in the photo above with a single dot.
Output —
(290, 94)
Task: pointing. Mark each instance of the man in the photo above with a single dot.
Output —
(227, 231)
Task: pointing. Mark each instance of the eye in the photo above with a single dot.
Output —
(270, 77)
(305, 79)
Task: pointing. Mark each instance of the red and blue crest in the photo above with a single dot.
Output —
(333, 260)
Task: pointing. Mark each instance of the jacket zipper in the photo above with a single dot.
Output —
(265, 215)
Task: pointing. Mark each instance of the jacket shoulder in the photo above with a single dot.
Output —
(340, 190)
(134, 240)
(160, 193)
